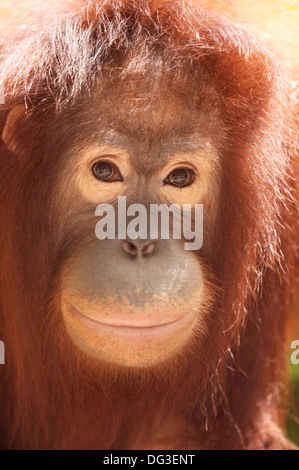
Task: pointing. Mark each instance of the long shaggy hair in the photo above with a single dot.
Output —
(227, 391)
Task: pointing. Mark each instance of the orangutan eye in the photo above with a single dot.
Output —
(180, 177)
(106, 171)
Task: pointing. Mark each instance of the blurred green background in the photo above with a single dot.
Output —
(293, 415)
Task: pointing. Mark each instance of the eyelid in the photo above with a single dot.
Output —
(110, 158)
(184, 166)
(181, 166)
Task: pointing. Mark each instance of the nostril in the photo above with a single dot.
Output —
(137, 248)
(130, 248)
(148, 249)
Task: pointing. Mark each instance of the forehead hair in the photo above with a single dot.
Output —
(55, 58)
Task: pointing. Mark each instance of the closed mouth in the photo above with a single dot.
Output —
(126, 328)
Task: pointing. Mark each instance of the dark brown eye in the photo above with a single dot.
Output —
(106, 171)
(181, 177)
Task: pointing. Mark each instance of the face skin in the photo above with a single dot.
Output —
(136, 303)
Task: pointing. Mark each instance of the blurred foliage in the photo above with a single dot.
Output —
(293, 416)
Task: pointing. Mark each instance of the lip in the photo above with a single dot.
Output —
(128, 329)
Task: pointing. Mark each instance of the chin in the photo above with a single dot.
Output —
(142, 339)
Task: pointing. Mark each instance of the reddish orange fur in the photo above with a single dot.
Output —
(227, 392)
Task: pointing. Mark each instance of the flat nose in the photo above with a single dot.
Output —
(138, 247)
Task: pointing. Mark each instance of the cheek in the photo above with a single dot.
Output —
(134, 312)
(97, 192)
(190, 195)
